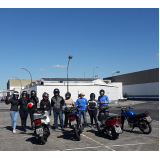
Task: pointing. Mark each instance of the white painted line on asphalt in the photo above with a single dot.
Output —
(133, 144)
(98, 142)
(82, 148)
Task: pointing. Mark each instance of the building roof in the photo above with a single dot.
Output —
(69, 79)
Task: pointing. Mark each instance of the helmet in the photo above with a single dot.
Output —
(101, 91)
(15, 94)
(56, 91)
(92, 95)
(24, 93)
(68, 94)
(33, 93)
(45, 95)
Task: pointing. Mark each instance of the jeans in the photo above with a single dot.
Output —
(23, 115)
(93, 114)
(84, 115)
(14, 115)
(56, 118)
(48, 113)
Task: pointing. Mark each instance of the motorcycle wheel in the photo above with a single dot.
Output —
(42, 139)
(114, 134)
(100, 130)
(143, 125)
(77, 133)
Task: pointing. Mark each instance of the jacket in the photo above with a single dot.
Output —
(57, 103)
(23, 103)
(14, 104)
(34, 100)
(44, 103)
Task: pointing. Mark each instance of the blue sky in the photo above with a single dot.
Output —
(41, 40)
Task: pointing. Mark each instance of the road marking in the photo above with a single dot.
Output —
(82, 148)
(98, 142)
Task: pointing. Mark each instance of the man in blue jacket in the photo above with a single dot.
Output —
(81, 102)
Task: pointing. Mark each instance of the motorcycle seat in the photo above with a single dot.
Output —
(113, 115)
(135, 116)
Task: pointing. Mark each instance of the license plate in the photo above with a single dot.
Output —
(118, 129)
(39, 131)
(149, 119)
(73, 122)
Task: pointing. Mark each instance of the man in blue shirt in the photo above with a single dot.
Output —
(81, 102)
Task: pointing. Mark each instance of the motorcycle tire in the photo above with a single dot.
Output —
(77, 133)
(42, 140)
(145, 124)
(114, 134)
(100, 130)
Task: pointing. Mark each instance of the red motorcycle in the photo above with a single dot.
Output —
(109, 123)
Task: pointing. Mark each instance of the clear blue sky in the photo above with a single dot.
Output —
(111, 39)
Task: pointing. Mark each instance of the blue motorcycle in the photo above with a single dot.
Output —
(142, 120)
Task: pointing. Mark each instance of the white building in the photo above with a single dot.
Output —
(76, 86)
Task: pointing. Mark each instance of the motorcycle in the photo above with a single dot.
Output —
(41, 123)
(111, 124)
(141, 120)
(74, 122)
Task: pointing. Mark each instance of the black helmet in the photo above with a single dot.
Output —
(101, 91)
(92, 95)
(15, 95)
(68, 94)
(56, 91)
(33, 93)
(45, 95)
(24, 93)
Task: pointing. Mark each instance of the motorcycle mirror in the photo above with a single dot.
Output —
(132, 103)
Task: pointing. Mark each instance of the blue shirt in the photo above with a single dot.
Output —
(81, 102)
(103, 98)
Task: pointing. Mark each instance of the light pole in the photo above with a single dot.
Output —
(20, 81)
(70, 57)
(114, 73)
(28, 72)
(93, 71)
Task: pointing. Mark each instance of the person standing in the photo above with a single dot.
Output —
(45, 103)
(68, 103)
(57, 102)
(81, 104)
(23, 101)
(92, 109)
(34, 100)
(14, 109)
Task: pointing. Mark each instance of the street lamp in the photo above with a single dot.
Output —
(20, 81)
(70, 57)
(114, 73)
(93, 71)
(28, 72)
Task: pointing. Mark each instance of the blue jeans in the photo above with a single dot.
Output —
(14, 115)
(56, 118)
(48, 113)
(84, 115)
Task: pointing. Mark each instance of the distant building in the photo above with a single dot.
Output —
(139, 85)
(76, 86)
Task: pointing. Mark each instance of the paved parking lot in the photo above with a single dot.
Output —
(91, 140)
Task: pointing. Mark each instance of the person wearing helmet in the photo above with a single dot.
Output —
(102, 99)
(57, 102)
(81, 104)
(34, 100)
(92, 109)
(68, 102)
(45, 103)
(23, 101)
(14, 109)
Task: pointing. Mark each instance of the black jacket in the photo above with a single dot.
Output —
(57, 103)
(34, 100)
(45, 103)
(23, 103)
(92, 104)
(14, 103)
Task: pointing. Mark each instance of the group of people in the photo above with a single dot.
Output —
(57, 103)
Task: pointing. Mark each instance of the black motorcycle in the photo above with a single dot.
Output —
(74, 121)
(141, 120)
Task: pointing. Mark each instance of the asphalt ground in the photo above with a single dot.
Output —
(91, 140)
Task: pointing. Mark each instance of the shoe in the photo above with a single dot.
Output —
(92, 126)
(62, 129)
(14, 130)
(24, 129)
(56, 129)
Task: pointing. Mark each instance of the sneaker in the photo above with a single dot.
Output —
(14, 130)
